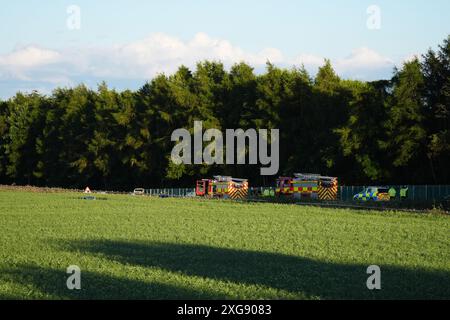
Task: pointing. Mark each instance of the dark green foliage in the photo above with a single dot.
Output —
(389, 131)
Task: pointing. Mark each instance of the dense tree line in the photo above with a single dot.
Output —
(389, 131)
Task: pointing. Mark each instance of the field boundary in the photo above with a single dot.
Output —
(397, 205)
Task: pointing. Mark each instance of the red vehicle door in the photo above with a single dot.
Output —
(201, 188)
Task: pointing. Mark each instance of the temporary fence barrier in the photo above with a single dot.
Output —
(415, 193)
(171, 192)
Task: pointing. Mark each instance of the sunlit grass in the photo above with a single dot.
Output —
(141, 247)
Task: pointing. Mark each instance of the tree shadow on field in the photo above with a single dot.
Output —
(295, 274)
(4, 296)
(48, 283)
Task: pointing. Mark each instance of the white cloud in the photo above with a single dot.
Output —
(163, 53)
(29, 57)
(159, 53)
(363, 58)
(309, 60)
(362, 63)
(17, 63)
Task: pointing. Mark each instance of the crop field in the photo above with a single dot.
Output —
(167, 248)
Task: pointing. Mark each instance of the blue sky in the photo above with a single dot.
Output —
(128, 42)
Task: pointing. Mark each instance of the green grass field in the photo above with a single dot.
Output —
(152, 248)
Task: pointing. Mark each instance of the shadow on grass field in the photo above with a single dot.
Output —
(51, 283)
(291, 273)
(297, 275)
